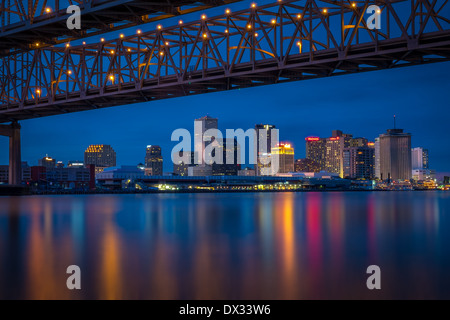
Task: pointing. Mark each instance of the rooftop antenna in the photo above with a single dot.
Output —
(394, 121)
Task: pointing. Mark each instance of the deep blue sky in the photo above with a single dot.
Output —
(361, 104)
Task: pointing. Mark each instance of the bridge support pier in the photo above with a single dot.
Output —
(15, 163)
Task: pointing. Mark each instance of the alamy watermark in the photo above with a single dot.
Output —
(210, 147)
(74, 21)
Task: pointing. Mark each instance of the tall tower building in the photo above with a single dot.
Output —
(181, 168)
(230, 157)
(315, 150)
(202, 125)
(395, 155)
(334, 151)
(47, 162)
(263, 140)
(377, 158)
(154, 160)
(359, 162)
(284, 152)
(100, 155)
(419, 158)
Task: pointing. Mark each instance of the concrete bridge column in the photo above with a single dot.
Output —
(15, 163)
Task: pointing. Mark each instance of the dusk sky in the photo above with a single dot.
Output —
(360, 104)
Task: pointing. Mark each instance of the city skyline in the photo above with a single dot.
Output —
(364, 117)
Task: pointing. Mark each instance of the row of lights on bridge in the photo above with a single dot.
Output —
(203, 17)
(159, 27)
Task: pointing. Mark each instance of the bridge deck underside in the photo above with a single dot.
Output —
(106, 16)
(391, 53)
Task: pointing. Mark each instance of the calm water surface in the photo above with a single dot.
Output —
(226, 246)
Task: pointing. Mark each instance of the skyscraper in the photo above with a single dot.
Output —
(284, 152)
(154, 160)
(100, 155)
(395, 155)
(359, 162)
(377, 158)
(328, 152)
(335, 145)
(47, 162)
(263, 141)
(306, 165)
(419, 158)
(201, 126)
(230, 158)
(181, 168)
(315, 150)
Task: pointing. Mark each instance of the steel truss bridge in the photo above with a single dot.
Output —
(284, 41)
(29, 23)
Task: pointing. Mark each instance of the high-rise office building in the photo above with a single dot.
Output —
(359, 162)
(230, 158)
(284, 154)
(154, 160)
(315, 150)
(328, 152)
(359, 142)
(334, 149)
(202, 125)
(377, 158)
(75, 164)
(181, 168)
(47, 162)
(306, 165)
(395, 155)
(419, 158)
(263, 142)
(100, 155)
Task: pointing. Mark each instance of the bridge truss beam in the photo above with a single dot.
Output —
(285, 41)
(25, 24)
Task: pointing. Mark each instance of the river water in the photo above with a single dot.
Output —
(306, 245)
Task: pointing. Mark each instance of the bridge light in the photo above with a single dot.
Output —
(84, 42)
(273, 21)
(121, 35)
(139, 31)
(67, 45)
(37, 44)
(299, 16)
(205, 35)
(378, 11)
(129, 50)
(48, 9)
(324, 11)
(112, 51)
(159, 27)
(161, 53)
(111, 77)
(167, 43)
(102, 39)
(253, 5)
(256, 35)
(226, 30)
(180, 22)
(228, 11)
(38, 91)
(69, 71)
(203, 16)
(353, 4)
(249, 26)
